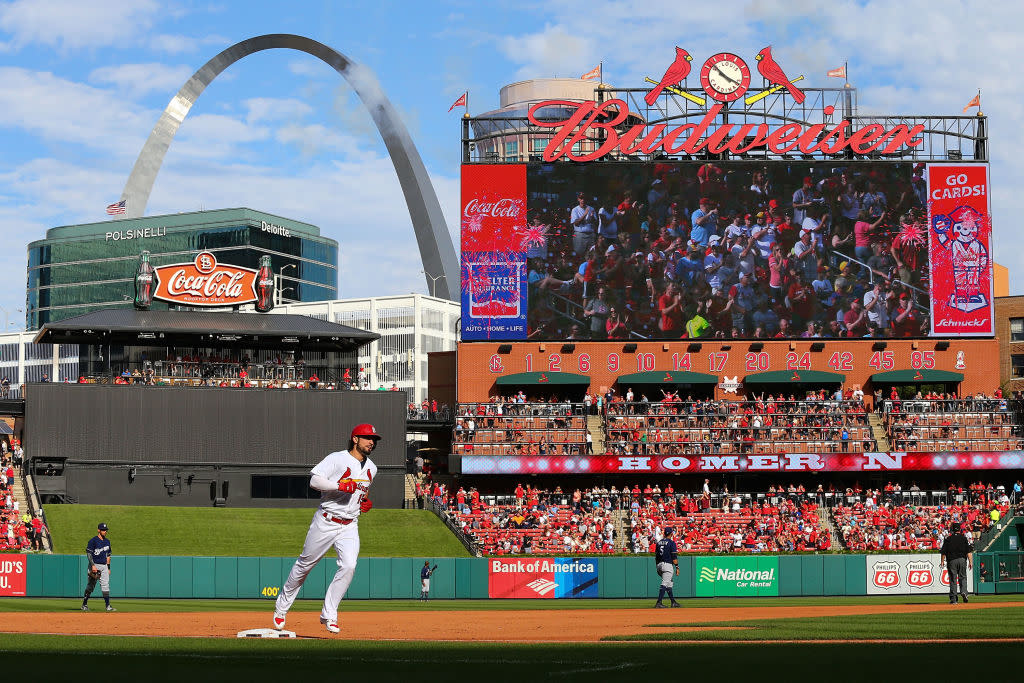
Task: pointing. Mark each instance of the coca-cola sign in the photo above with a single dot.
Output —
(500, 208)
(204, 282)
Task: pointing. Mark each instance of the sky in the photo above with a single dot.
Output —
(83, 83)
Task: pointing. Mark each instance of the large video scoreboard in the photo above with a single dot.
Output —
(752, 249)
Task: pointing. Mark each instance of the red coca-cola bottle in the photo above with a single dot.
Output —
(264, 286)
(145, 282)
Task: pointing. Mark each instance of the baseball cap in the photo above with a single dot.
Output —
(807, 180)
(706, 200)
(773, 204)
(101, 527)
(749, 216)
(714, 239)
(366, 431)
(669, 530)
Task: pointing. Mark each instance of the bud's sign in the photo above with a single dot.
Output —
(12, 575)
(725, 78)
(205, 282)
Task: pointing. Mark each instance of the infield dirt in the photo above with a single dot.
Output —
(526, 626)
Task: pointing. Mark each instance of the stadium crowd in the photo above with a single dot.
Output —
(19, 530)
(785, 518)
(702, 252)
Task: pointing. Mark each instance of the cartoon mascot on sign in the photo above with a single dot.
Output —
(969, 256)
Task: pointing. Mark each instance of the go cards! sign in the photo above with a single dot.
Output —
(899, 574)
(748, 576)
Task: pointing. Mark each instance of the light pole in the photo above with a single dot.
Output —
(433, 281)
(7, 322)
(279, 281)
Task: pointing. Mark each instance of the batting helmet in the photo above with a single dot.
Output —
(364, 430)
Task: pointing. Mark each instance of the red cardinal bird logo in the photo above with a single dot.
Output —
(676, 72)
(542, 378)
(773, 73)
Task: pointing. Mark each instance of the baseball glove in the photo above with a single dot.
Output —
(94, 574)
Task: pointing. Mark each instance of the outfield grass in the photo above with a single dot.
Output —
(657, 617)
(245, 532)
(993, 622)
(153, 659)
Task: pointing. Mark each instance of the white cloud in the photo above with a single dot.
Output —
(59, 110)
(71, 24)
(139, 79)
(275, 109)
(174, 44)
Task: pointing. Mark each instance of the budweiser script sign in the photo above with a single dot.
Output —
(205, 282)
(603, 123)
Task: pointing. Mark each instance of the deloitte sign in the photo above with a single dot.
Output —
(747, 576)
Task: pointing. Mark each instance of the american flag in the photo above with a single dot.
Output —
(117, 209)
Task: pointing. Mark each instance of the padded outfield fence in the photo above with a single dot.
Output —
(514, 577)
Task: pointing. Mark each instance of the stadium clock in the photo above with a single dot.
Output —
(725, 77)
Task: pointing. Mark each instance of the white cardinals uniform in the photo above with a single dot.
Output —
(334, 523)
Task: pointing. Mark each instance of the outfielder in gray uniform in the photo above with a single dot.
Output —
(98, 552)
(666, 563)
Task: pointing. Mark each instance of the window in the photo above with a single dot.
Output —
(1017, 365)
(512, 149)
(1016, 329)
(538, 144)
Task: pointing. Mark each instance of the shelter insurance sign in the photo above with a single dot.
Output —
(900, 574)
(204, 282)
(960, 248)
(549, 577)
(12, 575)
(732, 576)
(495, 241)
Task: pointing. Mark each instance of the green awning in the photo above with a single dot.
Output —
(916, 376)
(795, 377)
(667, 377)
(531, 378)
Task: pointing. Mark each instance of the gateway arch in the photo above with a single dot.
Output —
(435, 243)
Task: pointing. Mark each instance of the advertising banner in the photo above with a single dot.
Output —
(543, 577)
(495, 242)
(899, 574)
(12, 575)
(205, 282)
(768, 462)
(736, 576)
(960, 248)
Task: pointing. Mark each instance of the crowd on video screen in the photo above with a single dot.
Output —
(689, 250)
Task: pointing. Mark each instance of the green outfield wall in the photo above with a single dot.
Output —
(398, 578)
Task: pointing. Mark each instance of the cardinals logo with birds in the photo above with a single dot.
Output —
(679, 69)
(773, 73)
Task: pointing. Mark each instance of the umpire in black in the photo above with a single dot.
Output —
(666, 563)
(956, 553)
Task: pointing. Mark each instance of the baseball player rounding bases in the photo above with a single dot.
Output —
(666, 562)
(343, 479)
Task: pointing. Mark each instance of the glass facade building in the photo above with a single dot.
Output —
(82, 268)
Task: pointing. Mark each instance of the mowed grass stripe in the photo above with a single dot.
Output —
(243, 532)
(955, 623)
(202, 605)
(133, 659)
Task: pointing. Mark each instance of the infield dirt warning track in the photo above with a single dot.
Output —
(526, 626)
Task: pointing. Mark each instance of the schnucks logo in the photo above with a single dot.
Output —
(204, 282)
